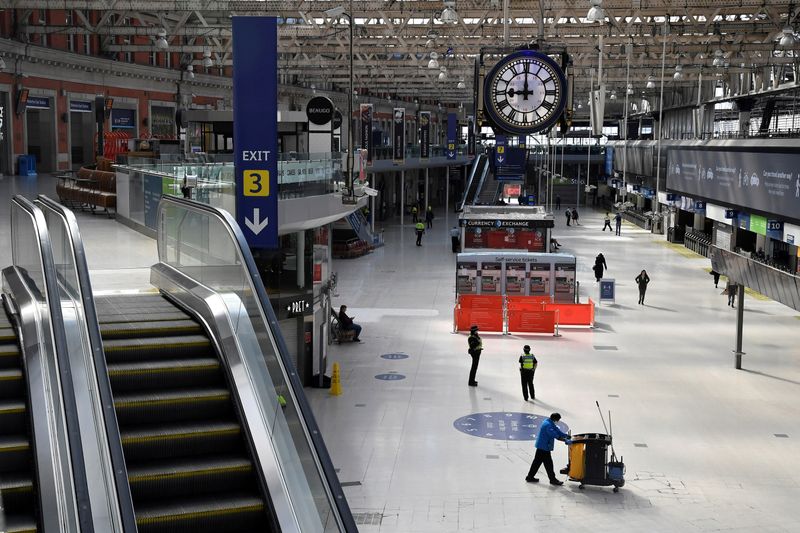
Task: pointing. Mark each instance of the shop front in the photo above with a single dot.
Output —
(505, 228)
(40, 131)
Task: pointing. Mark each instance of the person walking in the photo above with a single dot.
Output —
(545, 441)
(607, 222)
(527, 368)
(575, 216)
(419, 228)
(429, 217)
(642, 280)
(414, 214)
(475, 348)
(716, 278)
(455, 239)
(568, 214)
(558, 202)
(599, 266)
(618, 223)
(730, 290)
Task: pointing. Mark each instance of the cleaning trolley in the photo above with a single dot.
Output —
(588, 459)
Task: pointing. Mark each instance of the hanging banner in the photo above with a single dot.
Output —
(470, 136)
(366, 130)
(255, 123)
(452, 136)
(500, 150)
(424, 134)
(399, 135)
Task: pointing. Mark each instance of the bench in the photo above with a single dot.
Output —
(89, 189)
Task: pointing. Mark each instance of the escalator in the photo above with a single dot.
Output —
(476, 173)
(17, 470)
(189, 462)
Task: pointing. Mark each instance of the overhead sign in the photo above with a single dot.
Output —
(319, 110)
(255, 124)
(38, 102)
(500, 149)
(399, 135)
(80, 106)
(452, 134)
(671, 196)
(775, 229)
(366, 130)
(730, 213)
(767, 181)
(424, 134)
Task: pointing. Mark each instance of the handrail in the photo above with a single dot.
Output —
(480, 184)
(476, 163)
(323, 461)
(121, 489)
(77, 468)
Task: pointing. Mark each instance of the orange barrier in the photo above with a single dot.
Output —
(574, 314)
(527, 302)
(484, 311)
(524, 321)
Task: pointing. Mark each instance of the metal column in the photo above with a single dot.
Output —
(402, 195)
(739, 326)
(427, 200)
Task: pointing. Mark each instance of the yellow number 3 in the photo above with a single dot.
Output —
(256, 182)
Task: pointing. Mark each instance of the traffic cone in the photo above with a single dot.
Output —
(336, 381)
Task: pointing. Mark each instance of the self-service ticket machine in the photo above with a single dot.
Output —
(517, 274)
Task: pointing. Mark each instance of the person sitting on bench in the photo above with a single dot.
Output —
(348, 324)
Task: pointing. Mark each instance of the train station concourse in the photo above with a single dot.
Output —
(399, 267)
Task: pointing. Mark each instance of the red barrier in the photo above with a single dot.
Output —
(486, 312)
(574, 314)
(532, 303)
(522, 321)
(481, 301)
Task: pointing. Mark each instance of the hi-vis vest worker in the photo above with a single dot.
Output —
(528, 361)
(527, 368)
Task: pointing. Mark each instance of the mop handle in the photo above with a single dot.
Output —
(601, 415)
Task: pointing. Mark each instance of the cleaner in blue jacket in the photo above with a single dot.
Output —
(545, 442)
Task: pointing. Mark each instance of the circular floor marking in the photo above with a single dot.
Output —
(395, 356)
(390, 377)
(503, 425)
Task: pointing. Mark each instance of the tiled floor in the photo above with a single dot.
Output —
(711, 462)
(697, 436)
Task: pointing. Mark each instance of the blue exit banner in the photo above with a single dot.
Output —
(255, 126)
(452, 133)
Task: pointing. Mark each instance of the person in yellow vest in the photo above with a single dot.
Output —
(527, 368)
(414, 213)
(419, 227)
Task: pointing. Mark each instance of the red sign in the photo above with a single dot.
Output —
(317, 272)
(528, 239)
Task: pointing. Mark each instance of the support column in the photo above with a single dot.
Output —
(402, 196)
(739, 326)
(427, 201)
(301, 255)
(447, 195)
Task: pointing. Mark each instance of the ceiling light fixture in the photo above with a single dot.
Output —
(651, 82)
(596, 13)
(613, 95)
(678, 76)
(719, 58)
(461, 84)
(433, 63)
(161, 42)
(207, 61)
(443, 73)
(449, 15)
(787, 37)
(190, 70)
(630, 88)
(2, 64)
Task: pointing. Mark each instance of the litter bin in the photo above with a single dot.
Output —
(26, 165)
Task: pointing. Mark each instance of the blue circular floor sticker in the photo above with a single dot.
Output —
(395, 356)
(390, 377)
(503, 425)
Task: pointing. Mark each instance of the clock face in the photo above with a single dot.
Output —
(525, 92)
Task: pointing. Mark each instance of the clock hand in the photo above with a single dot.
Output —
(525, 91)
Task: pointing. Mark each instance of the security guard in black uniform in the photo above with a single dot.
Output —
(527, 367)
(475, 349)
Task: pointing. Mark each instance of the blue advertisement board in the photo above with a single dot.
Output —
(452, 135)
(775, 229)
(255, 126)
(123, 118)
(607, 289)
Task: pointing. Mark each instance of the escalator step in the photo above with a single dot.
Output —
(13, 417)
(181, 440)
(14, 452)
(21, 524)
(9, 356)
(7, 333)
(164, 406)
(149, 329)
(165, 374)
(154, 348)
(138, 316)
(182, 478)
(11, 383)
(204, 516)
(17, 491)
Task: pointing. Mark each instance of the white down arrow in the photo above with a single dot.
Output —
(256, 225)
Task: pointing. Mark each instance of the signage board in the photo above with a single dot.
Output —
(337, 119)
(470, 135)
(672, 197)
(80, 106)
(758, 224)
(452, 136)
(399, 135)
(766, 181)
(775, 229)
(319, 110)
(699, 206)
(366, 130)
(255, 123)
(424, 134)
(607, 290)
(730, 213)
(500, 150)
(123, 118)
(38, 102)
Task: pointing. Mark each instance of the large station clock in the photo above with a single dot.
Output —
(525, 92)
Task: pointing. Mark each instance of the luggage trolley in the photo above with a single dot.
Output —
(589, 465)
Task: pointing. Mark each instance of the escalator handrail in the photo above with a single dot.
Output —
(122, 488)
(323, 459)
(78, 466)
(473, 170)
(480, 184)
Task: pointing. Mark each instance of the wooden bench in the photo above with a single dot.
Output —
(89, 189)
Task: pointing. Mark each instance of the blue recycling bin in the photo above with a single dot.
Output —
(26, 165)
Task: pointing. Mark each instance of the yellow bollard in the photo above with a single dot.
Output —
(336, 381)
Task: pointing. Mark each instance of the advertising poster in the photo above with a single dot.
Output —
(762, 181)
(607, 289)
(399, 135)
(515, 279)
(452, 135)
(490, 278)
(466, 278)
(366, 130)
(424, 134)
(565, 282)
(539, 279)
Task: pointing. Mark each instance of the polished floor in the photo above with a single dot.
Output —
(707, 448)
